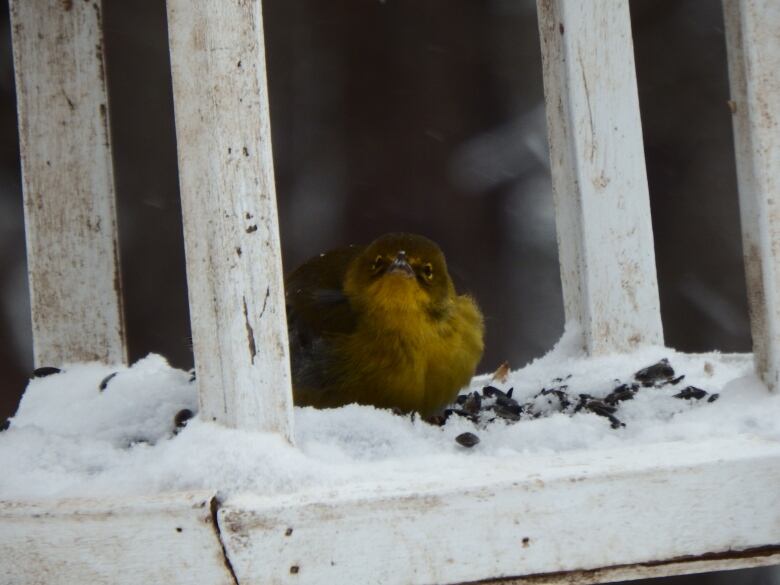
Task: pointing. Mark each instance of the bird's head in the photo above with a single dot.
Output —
(400, 272)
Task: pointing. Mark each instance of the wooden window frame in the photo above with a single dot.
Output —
(642, 513)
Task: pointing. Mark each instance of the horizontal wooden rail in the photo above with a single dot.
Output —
(577, 517)
(545, 515)
(168, 538)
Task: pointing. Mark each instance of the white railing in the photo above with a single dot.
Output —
(753, 43)
(68, 183)
(602, 205)
(240, 338)
(231, 232)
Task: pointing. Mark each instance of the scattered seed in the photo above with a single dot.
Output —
(472, 404)
(467, 439)
(181, 418)
(621, 393)
(44, 371)
(658, 372)
(439, 420)
(494, 403)
(492, 392)
(104, 382)
(582, 401)
(506, 413)
(600, 408)
(560, 394)
(691, 392)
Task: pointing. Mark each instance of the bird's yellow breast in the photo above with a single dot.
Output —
(402, 356)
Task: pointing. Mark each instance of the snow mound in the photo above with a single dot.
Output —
(84, 432)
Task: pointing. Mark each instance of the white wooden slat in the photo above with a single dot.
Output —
(753, 43)
(574, 518)
(70, 217)
(167, 539)
(232, 245)
(597, 160)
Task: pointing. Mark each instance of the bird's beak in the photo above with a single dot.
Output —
(400, 265)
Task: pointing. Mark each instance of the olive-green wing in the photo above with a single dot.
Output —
(317, 311)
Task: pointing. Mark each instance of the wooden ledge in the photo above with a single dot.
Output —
(581, 517)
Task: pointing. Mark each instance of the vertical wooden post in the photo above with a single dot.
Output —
(602, 207)
(753, 42)
(234, 269)
(68, 182)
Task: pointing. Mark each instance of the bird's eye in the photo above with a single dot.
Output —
(379, 261)
(428, 271)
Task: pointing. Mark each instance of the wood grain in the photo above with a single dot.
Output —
(602, 207)
(68, 182)
(167, 539)
(567, 518)
(234, 269)
(753, 43)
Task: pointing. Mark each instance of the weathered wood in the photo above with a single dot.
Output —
(231, 236)
(167, 539)
(68, 183)
(729, 561)
(602, 207)
(576, 517)
(753, 43)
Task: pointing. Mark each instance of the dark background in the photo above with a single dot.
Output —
(401, 115)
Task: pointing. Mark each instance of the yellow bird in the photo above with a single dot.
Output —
(383, 325)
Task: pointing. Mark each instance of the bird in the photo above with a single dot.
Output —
(382, 325)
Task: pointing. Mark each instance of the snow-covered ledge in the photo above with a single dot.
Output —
(632, 513)
(367, 496)
(98, 488)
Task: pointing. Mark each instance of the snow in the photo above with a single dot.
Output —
(69, 438)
